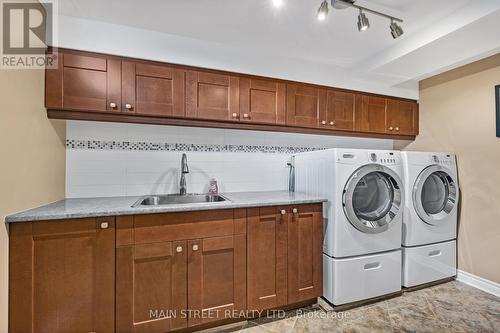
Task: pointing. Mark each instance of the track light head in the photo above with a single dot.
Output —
(363, 22)
(396, 30)
(323, 10)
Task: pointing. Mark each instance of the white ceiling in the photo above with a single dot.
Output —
(253, 36)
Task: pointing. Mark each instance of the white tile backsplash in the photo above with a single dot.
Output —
(96, 172)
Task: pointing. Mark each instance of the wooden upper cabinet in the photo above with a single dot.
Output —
(216, 277)
(113, 88)
(371, 113)
(212, 96)
(339, 111)
(62, 276)
(151, 287)
(402, 117)
(262, 101)
(305, 248)
(83, 82)
(267, 258)
(305, 105)
(152, 89)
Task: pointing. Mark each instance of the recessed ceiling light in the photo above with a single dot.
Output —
(323, 11)
(278, 3)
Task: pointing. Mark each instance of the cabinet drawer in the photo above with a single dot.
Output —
(185, 225)
(423, 264)
(354, 279)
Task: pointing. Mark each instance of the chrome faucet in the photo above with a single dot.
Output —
(184, 170)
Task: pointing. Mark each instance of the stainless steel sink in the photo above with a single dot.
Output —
(176, 199)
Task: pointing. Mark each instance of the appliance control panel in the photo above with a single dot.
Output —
(385, 158)
(361, 157)
(446, 160)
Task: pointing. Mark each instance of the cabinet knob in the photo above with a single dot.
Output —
(128, 106)
(195, 247)
(332, 123)
(282, 212)
(104, 225)
(295, 210)
(235, 115)
(397, 128)
(390, 128)
(112, 105)
(245, 115)
(179, 249)
(323, 122)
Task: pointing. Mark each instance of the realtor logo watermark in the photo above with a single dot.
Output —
(28, 29)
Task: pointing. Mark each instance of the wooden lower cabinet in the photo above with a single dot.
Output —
(151, 287)
(267, 257)
(170, 277)
(216, 278)
(62, 276)
(284, 255)
(161, 272)
(305, 253)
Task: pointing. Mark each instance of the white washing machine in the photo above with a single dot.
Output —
(430, 217)
(363, 218)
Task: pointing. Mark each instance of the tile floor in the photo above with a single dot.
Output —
(449, 307)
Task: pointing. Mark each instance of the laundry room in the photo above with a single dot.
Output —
(249, 166)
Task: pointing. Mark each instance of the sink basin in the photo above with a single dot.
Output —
(176, 199)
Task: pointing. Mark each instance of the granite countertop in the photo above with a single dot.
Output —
(112, 206)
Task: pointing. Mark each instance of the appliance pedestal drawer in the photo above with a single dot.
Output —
(427, 263)
(359, 278)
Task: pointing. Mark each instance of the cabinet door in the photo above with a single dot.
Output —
(402, 117)
(216, 278)
(305, 105)
(339, 113)
(262, 101)
(61, 276)
(305, 247)
(212, 96)
(89, 83)
(151, 289)
(154, 90)
(371, 113)
(267, 258)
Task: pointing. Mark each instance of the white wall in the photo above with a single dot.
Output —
(242, 160)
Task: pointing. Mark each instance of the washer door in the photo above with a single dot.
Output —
(435, 194)
(372, 198)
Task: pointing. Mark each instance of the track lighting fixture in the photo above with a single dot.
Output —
(396, 29)
(363, 22)
(323, 10)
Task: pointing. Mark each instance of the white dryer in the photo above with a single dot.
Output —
(363, 218)
(430, 217)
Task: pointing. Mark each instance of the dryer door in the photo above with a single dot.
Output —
(372, 198)
(435, 194)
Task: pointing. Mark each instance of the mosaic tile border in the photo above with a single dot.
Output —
(157, 146)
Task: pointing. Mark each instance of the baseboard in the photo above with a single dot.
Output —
(479, 282)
